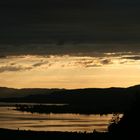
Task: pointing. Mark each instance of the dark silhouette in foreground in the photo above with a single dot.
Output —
(126, 128)
(108, 100)
(6, 134)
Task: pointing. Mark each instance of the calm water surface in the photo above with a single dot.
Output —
(13, 119)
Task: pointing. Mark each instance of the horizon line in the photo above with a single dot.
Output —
(71, 88)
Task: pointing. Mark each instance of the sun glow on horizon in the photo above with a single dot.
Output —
(40, 71)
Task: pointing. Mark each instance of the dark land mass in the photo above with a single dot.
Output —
(19, 93)
(126, 128)
(101, 101)
(33, 135)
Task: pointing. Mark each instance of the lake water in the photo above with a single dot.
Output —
(13, 104)
(13, 119)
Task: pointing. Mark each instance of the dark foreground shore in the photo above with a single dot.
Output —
(6, 134)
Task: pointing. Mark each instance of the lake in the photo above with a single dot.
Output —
(12, 119)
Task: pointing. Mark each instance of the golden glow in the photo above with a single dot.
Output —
(11, 119)
(33, 71)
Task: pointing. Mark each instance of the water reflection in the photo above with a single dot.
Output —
(14, 104)
(13, 119)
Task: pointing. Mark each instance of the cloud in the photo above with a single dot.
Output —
(61, 26)
(43, 63)
(93, 62)
(38, 64)
(2, 56)
(25, 63)
(105, 61)
(132, 57)
(85, 49)
(13, 68)
(28, 63)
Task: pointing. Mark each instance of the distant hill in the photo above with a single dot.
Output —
(7, 92)
(136, 87)
(12, 92)
(108, 99)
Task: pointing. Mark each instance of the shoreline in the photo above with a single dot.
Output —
(7, 134)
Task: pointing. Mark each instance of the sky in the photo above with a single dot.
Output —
(69, 43)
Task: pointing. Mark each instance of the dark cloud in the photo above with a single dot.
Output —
(93, 62)
(2, 56)
(70, 49)
(64, 22)
(11, 68)
(38, 64)
(60, 20)
(84, 62)
(94, 65)
(106, 61)
(132, 57)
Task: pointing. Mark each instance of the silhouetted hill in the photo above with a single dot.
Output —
(7, 92)
(136, 87)
(89, 100)
(12, 92)
(34, 92)
(128, 126)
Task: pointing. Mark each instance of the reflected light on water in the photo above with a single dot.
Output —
(13, 119)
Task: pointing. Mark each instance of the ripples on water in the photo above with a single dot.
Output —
(13, 119)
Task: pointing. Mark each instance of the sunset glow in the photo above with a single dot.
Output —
(66, 71)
